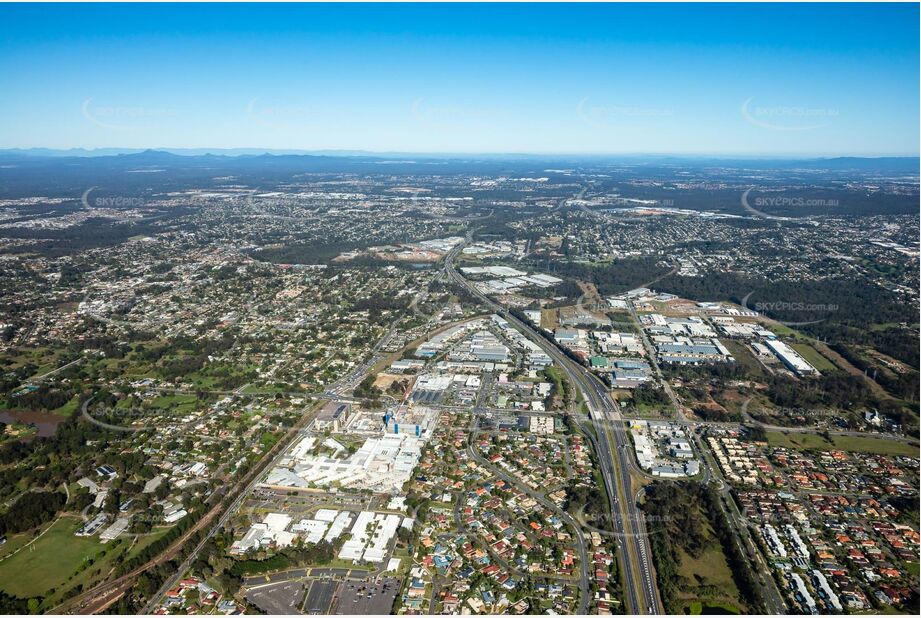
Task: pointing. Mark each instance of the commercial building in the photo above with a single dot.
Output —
(663, 449)
(381, 464)
(791, 358)
(113, 531)
(271, 532)
(332, 417)
(541, 424)
(327, 525)
(370, 537)
(413, 420)
(568, 336)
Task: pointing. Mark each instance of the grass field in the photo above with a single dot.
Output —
(103, 565)
(813, 357)
(883, 326)
(13, 543)
(200, 380)
(744, 357)
(780, 329)
(711, 572)
(144, 541)
(853, 444)
(68, 408)
(47, 568)
(711, 566)
(176, 403)
(49, 561)
(697, 608)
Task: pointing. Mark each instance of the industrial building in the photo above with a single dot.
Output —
(663, 449)
(791, 358)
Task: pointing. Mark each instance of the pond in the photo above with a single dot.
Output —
(45, 422)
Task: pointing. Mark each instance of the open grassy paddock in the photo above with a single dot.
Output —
(852, 444)
(813, 357)
(49, 561)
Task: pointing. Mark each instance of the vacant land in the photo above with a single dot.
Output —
(712, 577)
(68, 408)
(745, 358)
(385, 380)
(550, 318)
(177, 403)
(853, 444)
(691, 558)
(813, 357)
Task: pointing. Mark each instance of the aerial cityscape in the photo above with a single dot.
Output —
(458, 368)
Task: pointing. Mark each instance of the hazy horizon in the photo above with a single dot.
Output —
(256, 151)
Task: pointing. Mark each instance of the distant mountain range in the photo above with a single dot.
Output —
(238, 152)
(899, 165)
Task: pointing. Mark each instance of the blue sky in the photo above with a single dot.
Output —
(779, 79)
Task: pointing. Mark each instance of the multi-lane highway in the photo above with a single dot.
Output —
(642, 595)
(771, 596)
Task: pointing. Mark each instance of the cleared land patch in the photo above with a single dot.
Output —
(853, 444)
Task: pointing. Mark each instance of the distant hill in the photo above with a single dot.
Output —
(865, 164)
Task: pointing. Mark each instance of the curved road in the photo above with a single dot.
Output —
(642, 595)
(540, 498)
